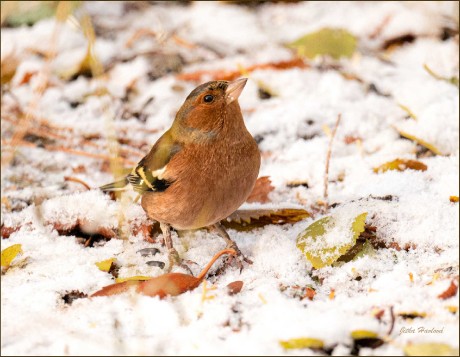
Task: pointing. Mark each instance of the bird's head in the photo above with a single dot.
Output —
(209, 106)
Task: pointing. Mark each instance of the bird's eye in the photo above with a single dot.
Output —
(208, 98)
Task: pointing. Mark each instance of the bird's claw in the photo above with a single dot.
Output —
(238, 258)
(174, 259)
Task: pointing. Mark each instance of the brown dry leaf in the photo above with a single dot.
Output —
(401, 165)
(262, 188)
(234, 287)
(450, 291)
(9, 64)
(244, 220)
(170, 284)
(310, 293)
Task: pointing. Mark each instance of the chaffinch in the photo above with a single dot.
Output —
(201, 169)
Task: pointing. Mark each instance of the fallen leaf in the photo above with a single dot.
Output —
(421, 142)
(170, 284)
(412, 314)
(29, 12)
(450, 291)
(262, 188)
(133, 278)
(401, 165)
(8, 255)
(310, 293)
(244, 220)
(359, 334)
(453, 199)
(321, 257)
(9, 64)
(303, 342)
(398, 41)
(430, 349)
(105, 265)
(327, 41)
(364, 339)
(234, 287)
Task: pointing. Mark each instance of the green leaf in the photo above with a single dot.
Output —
(312, 241)
(327, 41)
(305, 342)
(8, 254)
(430, 349)
(30, 12)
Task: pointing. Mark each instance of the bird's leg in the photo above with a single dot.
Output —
(173, 256)
(219, 228)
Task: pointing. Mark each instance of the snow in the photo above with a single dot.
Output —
(291, 128)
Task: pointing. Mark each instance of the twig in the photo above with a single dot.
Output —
(328, 157)
(392, 323)
(77, 180)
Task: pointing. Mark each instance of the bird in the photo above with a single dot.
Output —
(201, 169)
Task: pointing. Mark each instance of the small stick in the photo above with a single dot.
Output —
(392, 323)
(77, 180)
(328, 156)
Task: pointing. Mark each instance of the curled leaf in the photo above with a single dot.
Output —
(312, 241)
(430, 349)
(450, 291)
(105, 265)
(303, 342)
(327, 41)
(8, 254)
(401, 165)
(170, 284)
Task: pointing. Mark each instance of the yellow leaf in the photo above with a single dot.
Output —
(319, 258)
(133, 278)
(304, 342)
(360, 334)
(401, 165)
(421, 142)
(9, 64)
(451, 308)
(327, 41)
(453, 199)
(430, 349)
(8, 254)
(105, 265)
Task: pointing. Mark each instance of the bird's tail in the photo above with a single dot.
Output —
(119, 185)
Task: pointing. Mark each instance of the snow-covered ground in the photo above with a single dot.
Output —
(141, 48)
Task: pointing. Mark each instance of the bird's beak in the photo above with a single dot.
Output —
(234, 89)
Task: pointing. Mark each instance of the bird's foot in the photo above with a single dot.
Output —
(174, 259)
(237, 259)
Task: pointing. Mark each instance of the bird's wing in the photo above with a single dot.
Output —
(149, 173)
